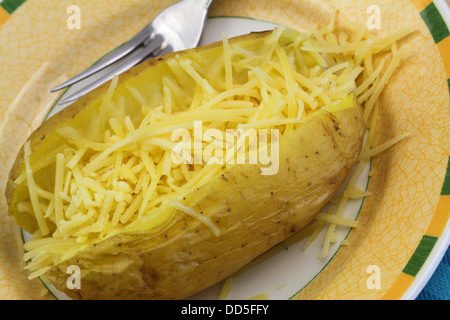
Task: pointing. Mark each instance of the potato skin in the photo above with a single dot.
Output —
(28, 222)
(253, 212)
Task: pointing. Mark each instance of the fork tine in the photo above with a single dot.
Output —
(137, 56)
(116, 55)
(162, 51)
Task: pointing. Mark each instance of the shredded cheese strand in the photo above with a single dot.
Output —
(365, 155)
(33, 193)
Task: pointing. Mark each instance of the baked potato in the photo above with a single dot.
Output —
(97, 185)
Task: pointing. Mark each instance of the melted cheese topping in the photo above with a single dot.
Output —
(126, 180)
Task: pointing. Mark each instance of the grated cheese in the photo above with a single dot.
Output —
(33, 192)
(226, 288)
(365, 155)
(261, 296)
(326, 217)
(191, 212)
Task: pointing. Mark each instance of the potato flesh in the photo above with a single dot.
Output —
(135, 105)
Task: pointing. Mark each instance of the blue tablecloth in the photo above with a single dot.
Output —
(438, 288)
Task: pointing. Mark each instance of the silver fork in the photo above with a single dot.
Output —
(178, 27)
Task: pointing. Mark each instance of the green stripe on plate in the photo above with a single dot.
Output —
(435, 22)
(11, 5)
(448, 83)
(420, 255)
(446, 187)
